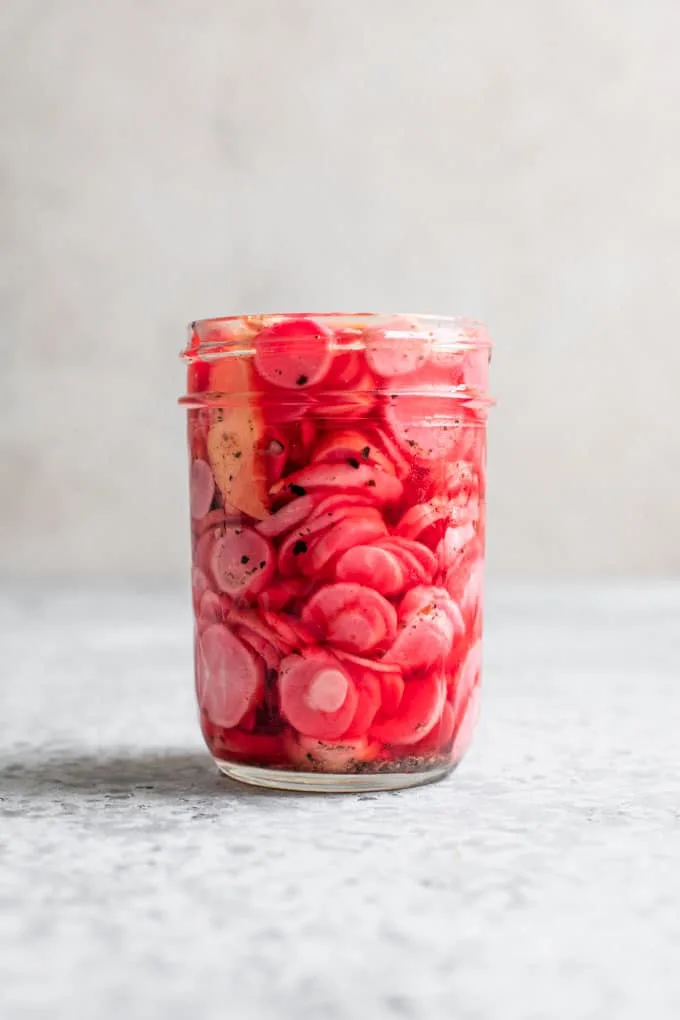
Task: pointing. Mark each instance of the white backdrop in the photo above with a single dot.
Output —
(164, 160)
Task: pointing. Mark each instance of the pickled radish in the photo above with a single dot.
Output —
(289, 516)
(279, 595)
(465, 725)
(252, 620)
(256, 748)
(417, 560)
(312, 755)
(366, 564)
(369, 697)
(317, 696)
(430, 622)
(419, 518)
(242, 562)
(352, 616)
(356, 526)
(213, 608)
(440, 736)
(232, 678)
(419, 711)
(413, 421)
(202, 488)
(393, 349)
(378, 485)
(268, 652)
(354, 448)
(293, 353)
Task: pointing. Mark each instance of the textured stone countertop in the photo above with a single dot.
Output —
(540, 882)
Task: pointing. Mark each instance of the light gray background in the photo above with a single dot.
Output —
(166, 160)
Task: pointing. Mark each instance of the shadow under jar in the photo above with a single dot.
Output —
(337, 482)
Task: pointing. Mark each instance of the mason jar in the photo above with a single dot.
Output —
(337, 493)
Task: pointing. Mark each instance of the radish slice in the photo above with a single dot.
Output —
(427, 599)
(297, 546)
(232, 678)
(312, 755)
(467, 676)
(418, 561)
(288, 628)
(439, 739)
(352, 616)
(393, 350)
(242, 561)
(293, 353)
(391, 692)
(251, 619)
(202, 488)
(255, 748)
(199, 585)
(402, 466)
(223, 515)
(376, 484)
(318, 697)
(420, 517)
(427, 425)
(280, 594)
(369, 697)
(265, 649)
(289, 516)
(352, 447)
(212, 609)
(465, 581)
(371, 565)
(356, 526)
(419, 711)
(454, 541)
(465, 725)
(430, 623)
(342, 501)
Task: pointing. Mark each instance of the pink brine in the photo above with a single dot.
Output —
(337, 494)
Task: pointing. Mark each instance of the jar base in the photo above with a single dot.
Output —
(325, 782)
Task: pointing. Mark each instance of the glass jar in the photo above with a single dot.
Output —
(337, 489)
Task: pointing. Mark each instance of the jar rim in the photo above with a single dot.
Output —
(220, 335)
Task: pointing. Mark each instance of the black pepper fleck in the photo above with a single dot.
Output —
(263, 564)
(366, 450)
(238, 454)
(245, 559)
(299, 547)
(353, 462)
(371, 483)
(301, 380)
(297, 490)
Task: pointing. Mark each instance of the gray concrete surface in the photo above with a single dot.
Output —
(170, 159)
(540, 882)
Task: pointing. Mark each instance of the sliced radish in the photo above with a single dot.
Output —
(430, 623)
(467, 676)
(356, 526)
(270, 655)
(352, 616)
(296, 547)
(427, 599)
(289, 516)
(396, 348)
(371, 565)
(213, 608)
(199, 585)
(419, 711)
(419, 518)
(290, 630)
(465, 581)
(465, 725)
(255, 748)
(454, 541)
(294, 353)
(232, 677)
(427, 425)
(369, 693)
(312, 755)
(439, 739)
(242, 562)
(351, 447)
(253, 621)
(280, 594)
(329, 505)
(317, 696)
(402, 465)
(378, 485)
(417, 560)
(391, 691)
(202, 488)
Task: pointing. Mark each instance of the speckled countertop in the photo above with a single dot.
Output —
(540, 882)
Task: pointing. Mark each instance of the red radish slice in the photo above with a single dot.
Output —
(393, 350)
(288, 628)
(231, 676)
(352, 447)
(418, 561)
(468, 676)
(199, 585)
(312, 755)
(352, 616)
(419, 711)
(242, 562)
(465, 580)
(402, 466)
(251, 619)
(356, 526)
(418, 518)
(377, 665)
(345, 370)
(439, 739)
(424, 641)
(391, 692)
(454, 541)
(267, 651)
(379, 486)
(427, 599)
(296, 547)
(254, 748)
(289, 516)
(369, 698)
(371, 565)
(202, 488)
(329, 505)
(280, 594)
(318, 697)
(293, 353)
(425, 425)
(212, 609)
(224, 515)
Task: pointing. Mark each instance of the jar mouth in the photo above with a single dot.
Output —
(234, 334)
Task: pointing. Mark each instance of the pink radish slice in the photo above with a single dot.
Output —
(426, 599)
(317, 696)
(232, 677)
(465, 725)
(379, 486)
(225, 515)
(251, 619)
(289, 516)
(402, 466)
(199, 585)
(370, 565)
(202, 488)
(454, 541)
(465, 579)
(418, 518)
(329, 505)
(423, 641)
(280, 594)
(352, 616)
(368, 703)
(419, 711)
(212, 609)
(467, 676)
(416, 427)
(293, 353)
(288, 628)
(352, 447)
(242, 561)
(296, 547)
(267, 651)
(440, 736)
(376, 665)
(312, 755)
(418, 561)
(307, 433)
(391, 692)
(393, 350)
(356, 526)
